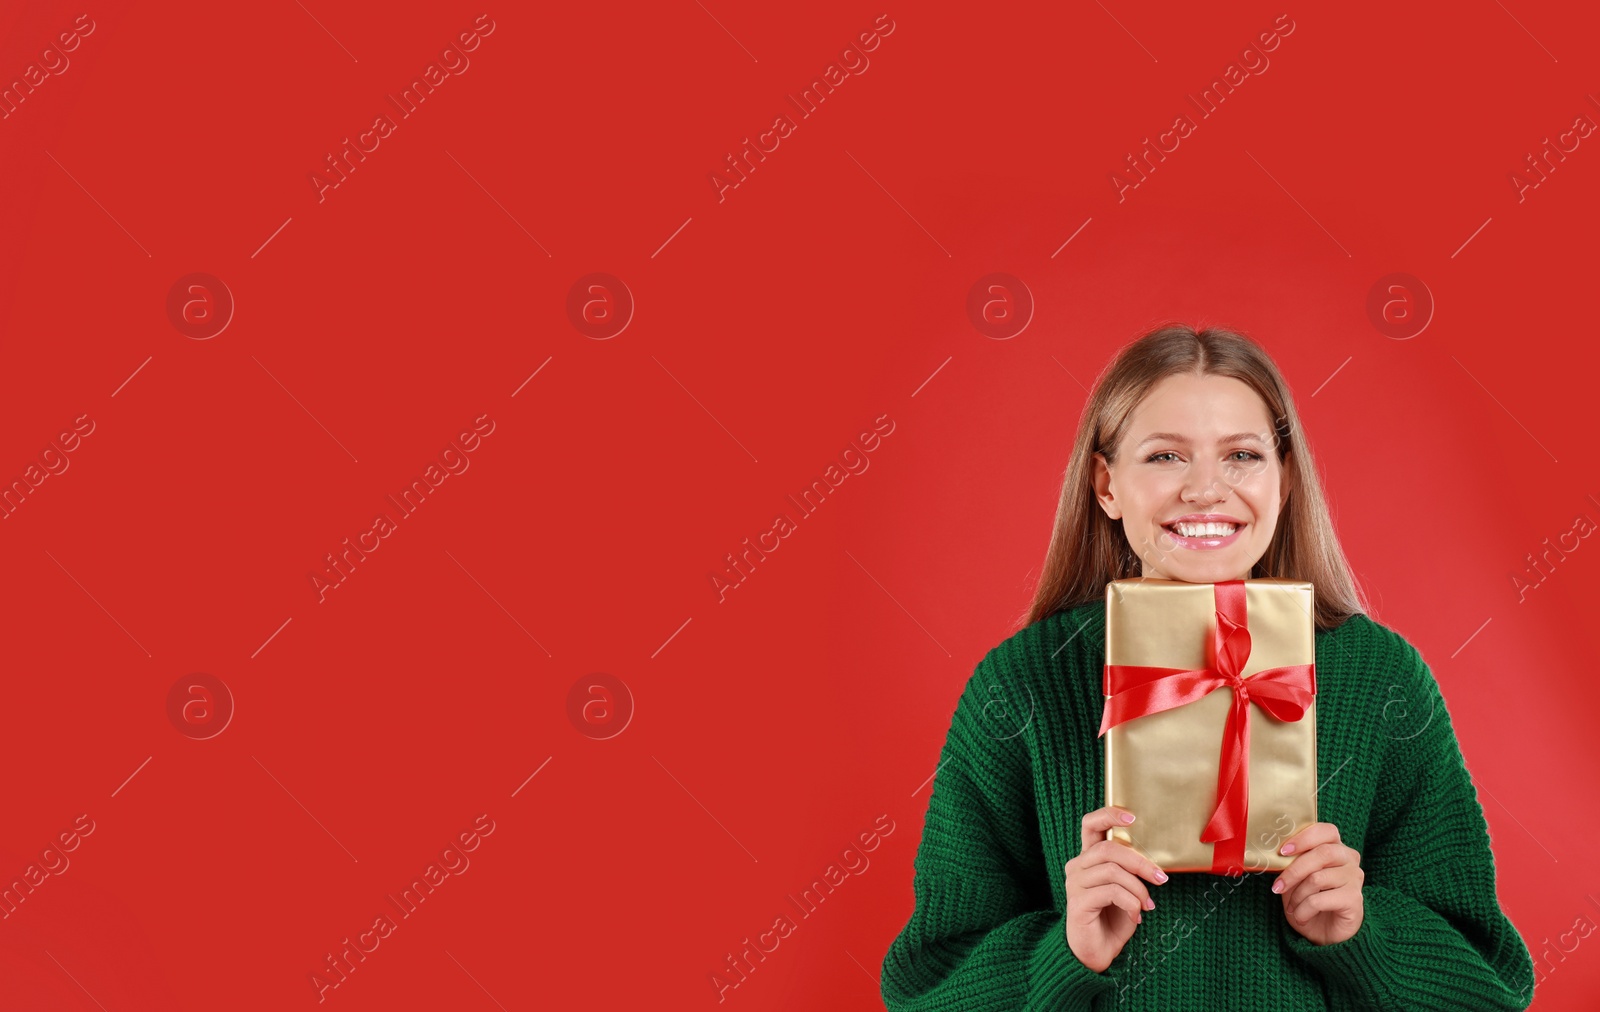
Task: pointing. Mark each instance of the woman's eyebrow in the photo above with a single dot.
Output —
(1173, 437)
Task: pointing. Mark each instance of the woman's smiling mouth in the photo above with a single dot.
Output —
(1209, 533)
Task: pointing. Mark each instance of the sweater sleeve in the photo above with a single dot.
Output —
(984, 933)
(1433, 935)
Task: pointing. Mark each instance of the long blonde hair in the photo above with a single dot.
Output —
(1088, 549)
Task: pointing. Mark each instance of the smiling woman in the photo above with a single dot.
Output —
(1197, 489)
(1189, 427)
(1190, 465)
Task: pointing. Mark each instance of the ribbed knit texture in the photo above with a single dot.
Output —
(1023, 764)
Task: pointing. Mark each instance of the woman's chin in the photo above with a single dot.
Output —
(1198, 572)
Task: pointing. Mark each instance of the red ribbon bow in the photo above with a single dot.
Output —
(1136, 691)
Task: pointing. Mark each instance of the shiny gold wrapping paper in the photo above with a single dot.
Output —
(1163, 767)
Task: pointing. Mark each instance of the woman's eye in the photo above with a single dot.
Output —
(1248, 455)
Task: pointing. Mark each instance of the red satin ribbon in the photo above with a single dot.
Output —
(1137, 691)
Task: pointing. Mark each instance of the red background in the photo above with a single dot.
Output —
(770, 329)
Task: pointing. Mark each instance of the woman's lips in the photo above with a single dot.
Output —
(1205, 542)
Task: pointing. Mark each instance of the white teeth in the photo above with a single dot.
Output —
(1212, 530)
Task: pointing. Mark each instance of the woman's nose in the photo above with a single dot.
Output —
(1210, 486)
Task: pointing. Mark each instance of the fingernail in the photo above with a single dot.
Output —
(1138, 918)
(1288, 848)
(1127, 816)
(1161, 876)
(1149, 904)
(1277, 885)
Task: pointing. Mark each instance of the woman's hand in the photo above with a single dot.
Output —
(1322, 886)
(1104, 894)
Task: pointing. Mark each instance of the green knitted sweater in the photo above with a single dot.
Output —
(1023, 764)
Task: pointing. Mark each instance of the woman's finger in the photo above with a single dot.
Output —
(1127, 857)
(1325, 855)
(1097, 899)
(1318, 881)
(1108, 872)
(1098, 821)
(1326, 899)
(1313, 835)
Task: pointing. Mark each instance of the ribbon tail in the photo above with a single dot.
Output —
(1229, 818)
(1160, 689)
(1286, 693)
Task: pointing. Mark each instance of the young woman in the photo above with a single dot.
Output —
(1022, 901)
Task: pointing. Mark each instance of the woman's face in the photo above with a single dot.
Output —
(1196, 447)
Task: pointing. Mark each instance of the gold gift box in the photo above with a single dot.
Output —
(1163, 766)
